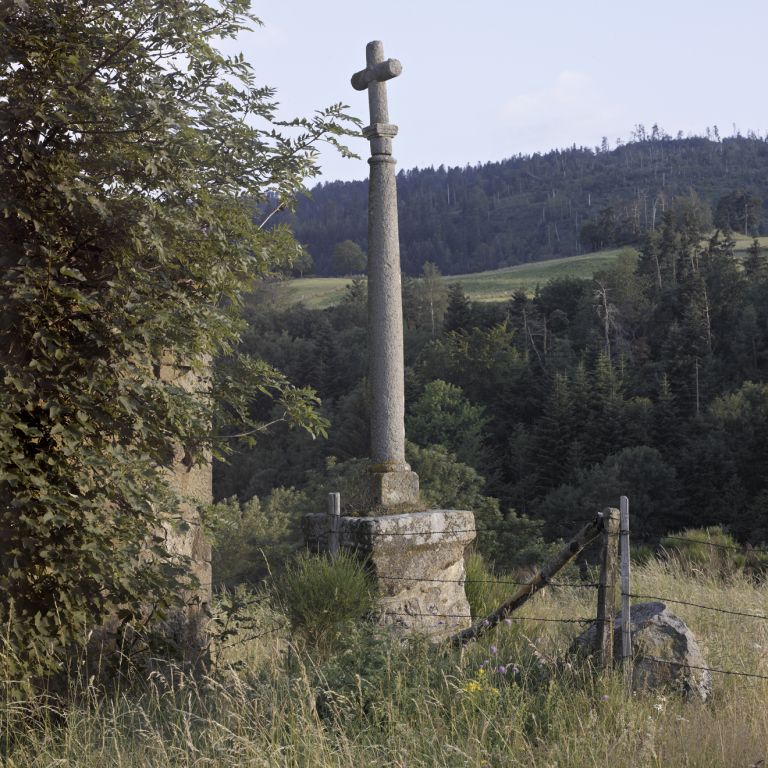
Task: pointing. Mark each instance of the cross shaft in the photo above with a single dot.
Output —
(393, 483)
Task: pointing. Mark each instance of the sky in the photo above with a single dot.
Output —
(483, 81)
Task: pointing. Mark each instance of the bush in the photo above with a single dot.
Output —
(322, 596)
(712, 551)
(255, 538)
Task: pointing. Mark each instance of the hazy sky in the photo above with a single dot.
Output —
(486, 80)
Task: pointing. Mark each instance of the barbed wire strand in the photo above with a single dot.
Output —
(467, 616)
(373, 534)
(574, 584)
(224, 646)
(742, 548)
(706, 669)
(697, 605)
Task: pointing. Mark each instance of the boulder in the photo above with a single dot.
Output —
(664, 651)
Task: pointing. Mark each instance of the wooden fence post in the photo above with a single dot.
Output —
(606, 591)
(334, 513)
(626, 618)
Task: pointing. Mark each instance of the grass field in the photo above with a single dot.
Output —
(494, 285)
(374, 702)
(498, 284)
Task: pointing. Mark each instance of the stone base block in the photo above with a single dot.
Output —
(418, 561)
(398, 488)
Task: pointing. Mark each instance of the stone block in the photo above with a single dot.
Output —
(397, 488)
(418, 561)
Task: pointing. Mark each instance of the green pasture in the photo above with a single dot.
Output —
(499, 284)
(494, 285)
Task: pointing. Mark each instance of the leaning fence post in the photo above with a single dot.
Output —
(626, 618)
(334, 512)
(606, 591)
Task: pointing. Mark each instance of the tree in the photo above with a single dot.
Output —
(130, 176)
(425, 300)
(739, 210)
(755, 262)
(348, 258)
(458, 313)
(443, 416)
(302, 263)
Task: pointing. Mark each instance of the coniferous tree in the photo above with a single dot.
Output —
(458, 313)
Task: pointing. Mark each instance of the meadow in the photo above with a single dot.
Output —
(494, 285)
(366, 699)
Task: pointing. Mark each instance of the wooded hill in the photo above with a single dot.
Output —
(532, 207)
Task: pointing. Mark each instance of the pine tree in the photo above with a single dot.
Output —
(756, 263)
(554, 434)
(458, 314)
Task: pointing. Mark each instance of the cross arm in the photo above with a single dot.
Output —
(383, 70)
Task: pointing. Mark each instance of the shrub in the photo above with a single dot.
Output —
(251, 539)
(707, 550)
(321, 596)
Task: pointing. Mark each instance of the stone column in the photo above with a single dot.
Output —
(394, 485)
(417, 557)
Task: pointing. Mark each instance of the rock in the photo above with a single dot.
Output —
(418, 561)
(658, 634)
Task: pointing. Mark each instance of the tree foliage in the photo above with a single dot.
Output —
(133, 156)
(535, 412)
(557, 203)
(348, 258)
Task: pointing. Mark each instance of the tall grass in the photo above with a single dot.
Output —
(375, 701)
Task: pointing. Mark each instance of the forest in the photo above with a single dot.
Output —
(648, 380)
(532, 207)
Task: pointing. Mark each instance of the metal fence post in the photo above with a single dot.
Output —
(334, 513)
(626, 617)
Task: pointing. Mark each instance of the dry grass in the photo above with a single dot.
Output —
(386, 704)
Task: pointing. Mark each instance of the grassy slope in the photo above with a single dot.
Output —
(415, 707)
(498, 284)
(495, 285)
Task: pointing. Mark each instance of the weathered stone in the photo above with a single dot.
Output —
(191, 479)
(392, 482)
(658, 634)
(394, 489)
(418, 561)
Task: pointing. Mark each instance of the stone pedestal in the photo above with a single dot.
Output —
(418, 561)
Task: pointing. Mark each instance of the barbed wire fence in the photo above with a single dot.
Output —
(611, 527)
(615, 582)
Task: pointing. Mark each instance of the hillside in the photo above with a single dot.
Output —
(491, 285)
(529, 208)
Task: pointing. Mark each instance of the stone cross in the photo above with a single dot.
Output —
(394, 485)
